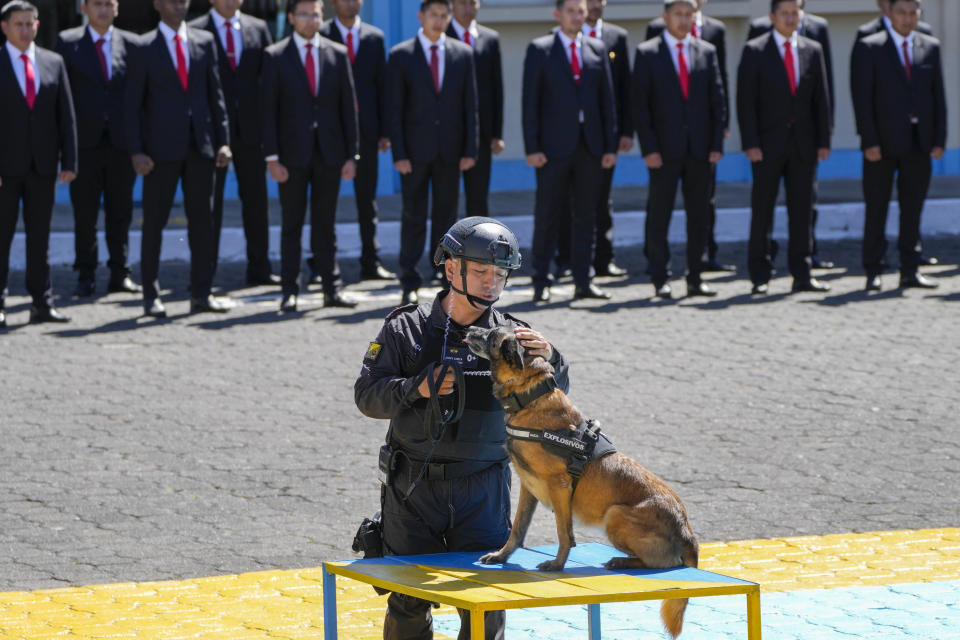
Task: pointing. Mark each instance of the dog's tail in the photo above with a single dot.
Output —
(671, 611)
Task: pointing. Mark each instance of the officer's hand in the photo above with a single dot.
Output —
(626, 143)
(936, 153)
(403, 167)
(444, 388)
(467, 163)
(349, 170)
(277, 171)
(537, 160)
(754, 154)
(715, 157)
(534, 343)
(823, 153)
(224, 156)
(608, 160)
(384, 144)
(67, 177)
(142, 163)
(653, 160)
(873, 154)
(497, 145)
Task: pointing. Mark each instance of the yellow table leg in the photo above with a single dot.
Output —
(476, 625)
(753, 615)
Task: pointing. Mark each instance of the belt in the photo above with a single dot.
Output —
(443, 470)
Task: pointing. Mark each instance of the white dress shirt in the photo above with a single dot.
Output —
(794, 42)
(168, 34)
(221, 23)
(598, 29)
(474, 32)
(441, 45)
(675, 53)
(107, 47)
(18, 69)
(354, 30)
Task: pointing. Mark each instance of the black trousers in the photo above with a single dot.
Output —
(913, 180)
(37, 194)
(106, 174)
(365, 191)
(195, 173)
(603, 244)
(463, 514)
(581, 169)
(694, 173)
(323, 181)
(798, 173)
(476, 182)
(251, 171)
(712, 246)
(415, 186)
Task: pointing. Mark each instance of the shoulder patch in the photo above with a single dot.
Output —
(373, 352)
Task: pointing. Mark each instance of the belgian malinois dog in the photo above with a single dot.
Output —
(641, 516)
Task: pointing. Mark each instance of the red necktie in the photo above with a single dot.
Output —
(311, 70)
(181, 62)
(906, 62)
(103, 60)
(231, 51)
(593, 33)
(788, 63)
(31, 86)
(574, 62)
(684, 72)
(693, 30)
(350, 52)
(435, 67)
(466, 38)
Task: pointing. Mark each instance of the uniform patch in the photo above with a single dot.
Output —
(373, 352)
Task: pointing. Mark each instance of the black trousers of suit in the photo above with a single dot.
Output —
(415, 186)
(476, 182)
(323, 182)
(712, 246)
(106, 174)
(37, 193)
(195, 173)
(913, 180)
(582, 170)
(695, 176)
(603, 243)
(251, 171)
(798, 173)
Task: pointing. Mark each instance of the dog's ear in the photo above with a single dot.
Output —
(512, 352)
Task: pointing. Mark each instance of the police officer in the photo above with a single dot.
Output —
(448, 485)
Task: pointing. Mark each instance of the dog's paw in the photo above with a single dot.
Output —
(617, 564)
(494, 558)
(550, 565)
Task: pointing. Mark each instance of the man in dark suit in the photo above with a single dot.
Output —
(898, 96)
(432, 92)
(240, 40)
(38, 131)
(489, 71)
(367, 53)
(177, 132)
(137, 17)
(679, 111)
(784, 112)
(715, 32)
(310, 140)
(96, 57)
(815, 28)
(570, 136)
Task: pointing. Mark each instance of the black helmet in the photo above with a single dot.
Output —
(482, 240)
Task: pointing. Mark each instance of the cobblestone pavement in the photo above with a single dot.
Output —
(137, 450)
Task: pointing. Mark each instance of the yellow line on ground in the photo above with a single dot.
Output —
(274, 605)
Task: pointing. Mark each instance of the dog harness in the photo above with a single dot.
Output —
(579, 447)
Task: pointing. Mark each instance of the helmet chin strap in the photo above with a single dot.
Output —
(475, 302)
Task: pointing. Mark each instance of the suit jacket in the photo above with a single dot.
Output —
(489, 70)
(768, 113)
(241, 88)
(162, 119)
(423, 124)
(715, 33)
(42, 137)
(369, 72)
(615, 40)
(877, 25)
(98, 103)
(815, 28)
(294, 122)
(666, 123)
(884, 101)
(552, 101)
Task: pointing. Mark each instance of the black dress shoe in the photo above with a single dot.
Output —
(760, 289)
(154, 308)
(409, 297)
(918, 281)
(84, 288)
(928, 261)
(124, 285)
(610, 270)
(817, 263)
(270, 279)
(3, 319)
(590, 292)
(289, 303)
(541, 294)
(700, 289)
(378, 272)
(712, 266)
(662, 291)
(812, 284)
(210, 304)
(874, 283)
(337, 299)
(46, 314)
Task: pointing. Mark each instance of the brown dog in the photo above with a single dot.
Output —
(641, 515)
